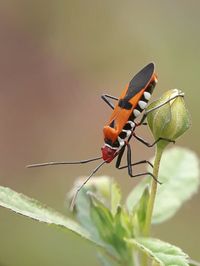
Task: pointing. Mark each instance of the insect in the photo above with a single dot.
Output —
(121, 126)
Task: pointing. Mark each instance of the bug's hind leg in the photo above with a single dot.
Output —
(118, 162)
(146, 173)
(136, 163)
(129, 165)
(106, 97)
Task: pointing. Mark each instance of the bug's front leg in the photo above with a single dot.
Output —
(131, 164)
(151, 144)
(141, 122)
(119, 158)
(106, 97)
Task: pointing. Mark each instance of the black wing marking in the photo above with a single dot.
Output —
(139, 81)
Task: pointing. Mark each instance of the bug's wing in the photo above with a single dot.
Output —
(139, 81)
(128, 100)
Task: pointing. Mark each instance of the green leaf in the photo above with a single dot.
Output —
(31, 208)
(93, 198)
(112, 229)
(179, 174)
(104, 188)
(193, 262)
(105, 261)
(140, 212)
(101, 188)
(83, 216)
(161, 253)
(115, 197)
(136, 194)
(122, 224)
(102, 219)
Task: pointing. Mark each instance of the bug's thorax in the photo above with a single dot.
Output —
(111, 149)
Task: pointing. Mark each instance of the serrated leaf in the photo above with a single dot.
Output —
(160, 252)
(93, 198)
(179, 174)
(83, 214)
(123, 226)
(112, 229)
(126, 221)
(31, 208)
(100, 187)
(103, 220)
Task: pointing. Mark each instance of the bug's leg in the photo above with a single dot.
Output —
(136, 163)
(106, 98)
(130, 167)
(119, 158)
(151, 144)
(156, 107)
(132, 164)
(146, 173)
(144, 124)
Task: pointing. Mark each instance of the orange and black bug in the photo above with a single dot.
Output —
(121, 125)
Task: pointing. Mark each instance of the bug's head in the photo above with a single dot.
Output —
(108, 153)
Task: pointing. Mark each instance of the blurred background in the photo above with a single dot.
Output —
(56, 59)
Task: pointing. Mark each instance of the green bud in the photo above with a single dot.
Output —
(169, 120)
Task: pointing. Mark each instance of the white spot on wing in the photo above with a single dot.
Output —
(142, 104)
(147, 95)
(136, 112)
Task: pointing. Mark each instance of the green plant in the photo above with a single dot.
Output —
(122, 231)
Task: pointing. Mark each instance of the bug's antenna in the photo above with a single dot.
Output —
(80, 187)
(181, 94)
(64, 162)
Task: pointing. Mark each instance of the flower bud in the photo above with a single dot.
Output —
(169, 120)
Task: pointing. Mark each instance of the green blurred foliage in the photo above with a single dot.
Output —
(57, 58)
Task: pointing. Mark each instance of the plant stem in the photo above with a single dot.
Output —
(153, 191)
(152, 197)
